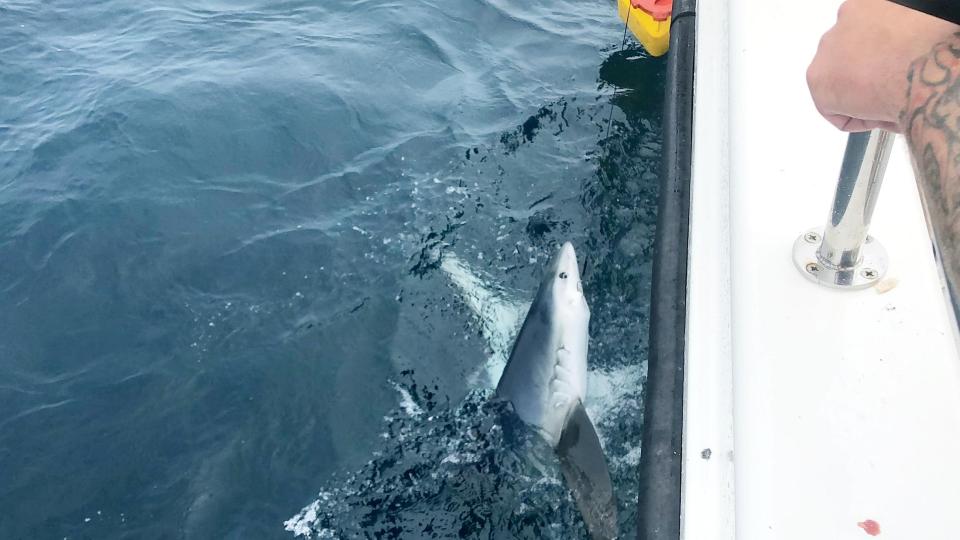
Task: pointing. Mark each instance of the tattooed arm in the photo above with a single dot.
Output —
(858, 80)
(931, 122)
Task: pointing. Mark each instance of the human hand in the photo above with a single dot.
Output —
(858, 78)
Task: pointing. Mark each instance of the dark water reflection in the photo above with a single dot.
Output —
(221, 235)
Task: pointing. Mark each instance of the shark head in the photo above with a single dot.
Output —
(562, 281)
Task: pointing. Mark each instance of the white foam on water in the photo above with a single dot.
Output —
(302, 523)
(609, 389)
(630, 459)
(407, 403)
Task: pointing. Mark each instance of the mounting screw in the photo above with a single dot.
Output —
(869, 271)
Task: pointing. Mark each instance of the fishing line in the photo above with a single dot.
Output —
(623, 43)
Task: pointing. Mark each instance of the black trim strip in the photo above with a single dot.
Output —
(660, 462)
(947, 10)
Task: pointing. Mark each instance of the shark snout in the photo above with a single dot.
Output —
(567, 262)
(568, 271)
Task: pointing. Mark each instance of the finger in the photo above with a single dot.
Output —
(854, 125)
(857, 124)
(841, 122)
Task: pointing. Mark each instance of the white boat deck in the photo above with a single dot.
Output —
(808, 410)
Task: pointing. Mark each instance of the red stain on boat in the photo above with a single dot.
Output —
(870, 526)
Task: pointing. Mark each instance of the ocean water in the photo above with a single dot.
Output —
(260, 261)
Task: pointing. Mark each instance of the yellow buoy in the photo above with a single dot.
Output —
(653, 34)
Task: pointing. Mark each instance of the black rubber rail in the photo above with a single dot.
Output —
(660, 462)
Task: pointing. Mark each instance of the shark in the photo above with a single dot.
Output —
(545, 382)
(536, 362)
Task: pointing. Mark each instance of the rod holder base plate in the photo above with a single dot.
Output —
(871, 269)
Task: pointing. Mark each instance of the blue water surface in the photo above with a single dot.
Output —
(222, 228)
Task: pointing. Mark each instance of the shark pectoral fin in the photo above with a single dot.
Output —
(585, 470)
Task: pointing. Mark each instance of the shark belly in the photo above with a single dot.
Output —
(547, 373)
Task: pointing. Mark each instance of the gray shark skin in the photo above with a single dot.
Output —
(546, 381)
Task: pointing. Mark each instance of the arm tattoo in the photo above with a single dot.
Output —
(931, 121)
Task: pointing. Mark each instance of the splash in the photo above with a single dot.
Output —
(468, 469)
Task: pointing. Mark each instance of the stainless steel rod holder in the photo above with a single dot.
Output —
(844, 255)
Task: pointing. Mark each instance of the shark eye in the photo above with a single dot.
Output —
(563, 275)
